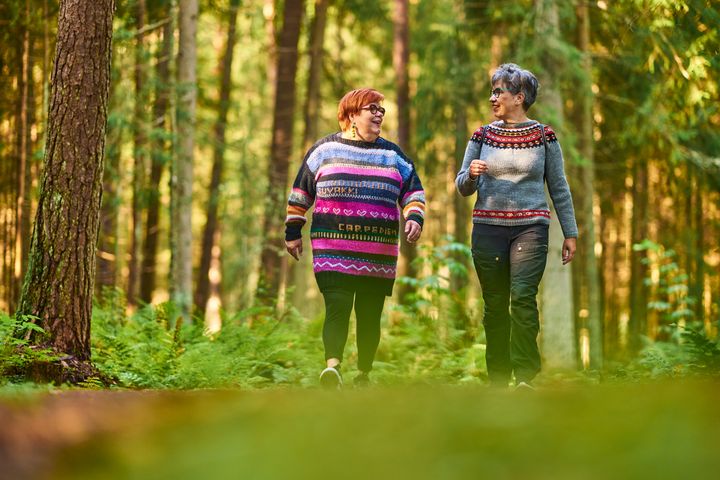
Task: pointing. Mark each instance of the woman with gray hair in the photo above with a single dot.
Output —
(508, 163)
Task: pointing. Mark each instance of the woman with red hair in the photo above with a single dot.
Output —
(361, 185)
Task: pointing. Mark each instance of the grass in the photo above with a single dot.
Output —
(649, 430)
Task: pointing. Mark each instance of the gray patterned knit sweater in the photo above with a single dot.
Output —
(512, 192)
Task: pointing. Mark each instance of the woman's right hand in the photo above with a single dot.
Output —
(294, 247)
(477, 168)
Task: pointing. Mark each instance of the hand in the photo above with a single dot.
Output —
(568, 250)
(412, 231)
(294, 248)
(477, 168)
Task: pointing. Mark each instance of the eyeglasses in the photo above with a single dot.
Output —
(499, 91)
(374, 109)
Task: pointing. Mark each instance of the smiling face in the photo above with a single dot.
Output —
(368, 121)
(505, 104)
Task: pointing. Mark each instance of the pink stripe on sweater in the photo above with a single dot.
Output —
(354, 246)
(356, 209)
(353, 267)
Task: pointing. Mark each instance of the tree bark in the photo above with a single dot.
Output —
(558, 337)
(282, 139)
(182, 174)
(159, 157)
(58, 286)
(202, 291)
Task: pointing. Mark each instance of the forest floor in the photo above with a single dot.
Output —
(651, 430)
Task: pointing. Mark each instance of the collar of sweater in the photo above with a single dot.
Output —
(512, 126)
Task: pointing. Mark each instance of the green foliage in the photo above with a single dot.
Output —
(434, 334)
(152, 350)
(684, 347)
(16, 352)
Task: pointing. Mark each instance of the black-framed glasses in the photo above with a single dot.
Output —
(498, 91)
(374, 109)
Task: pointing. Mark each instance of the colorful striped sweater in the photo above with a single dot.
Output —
(512, 192)
(356, 187)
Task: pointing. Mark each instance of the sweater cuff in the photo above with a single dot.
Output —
(415, 218)
(293, 232)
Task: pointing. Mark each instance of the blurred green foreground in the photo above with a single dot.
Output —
(657, 430)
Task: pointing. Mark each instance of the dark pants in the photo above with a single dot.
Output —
(510, 262)
(368, 309)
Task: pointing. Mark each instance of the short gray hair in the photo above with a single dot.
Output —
(517, 79)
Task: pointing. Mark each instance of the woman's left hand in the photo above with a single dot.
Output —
(412, 231)
(568, 250)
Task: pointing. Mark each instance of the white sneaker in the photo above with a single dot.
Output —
(524, 386)
(331, 378)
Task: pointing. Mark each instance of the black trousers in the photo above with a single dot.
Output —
(368, 310)
(510, 262)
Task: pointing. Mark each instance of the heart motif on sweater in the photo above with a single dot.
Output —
(336, 211)
(385, 215)
(347, 212)
(374, 214)
(362, 213)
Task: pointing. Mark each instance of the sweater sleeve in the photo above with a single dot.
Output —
(465, 185)
(412, 194)
(301, 199)
(558, 186)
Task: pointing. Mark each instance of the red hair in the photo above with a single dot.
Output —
(353, 101)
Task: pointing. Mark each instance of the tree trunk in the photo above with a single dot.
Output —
(159, 157)
(401, 58)
(590, 300)
(58, 287)
(202, 291)
(302, 273)
(697, 282)
(280, 152)
(272, 47)
(312, 101)
(638, 270)
(558, 337)
(24, 148)
(140, 128)
(182, 174)
(107, 251)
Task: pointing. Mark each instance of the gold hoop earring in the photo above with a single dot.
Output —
(354, 131)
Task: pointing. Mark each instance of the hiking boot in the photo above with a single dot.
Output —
(362, 380)
(331, 378)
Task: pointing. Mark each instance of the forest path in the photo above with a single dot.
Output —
(658, 430)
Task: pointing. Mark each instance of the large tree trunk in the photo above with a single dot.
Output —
(590, 294)
(140, 136)
(182, 174)
(558, 337)
(272, 255)
(401, 59)
(159, 157)
(58, 287)
(202, 291)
